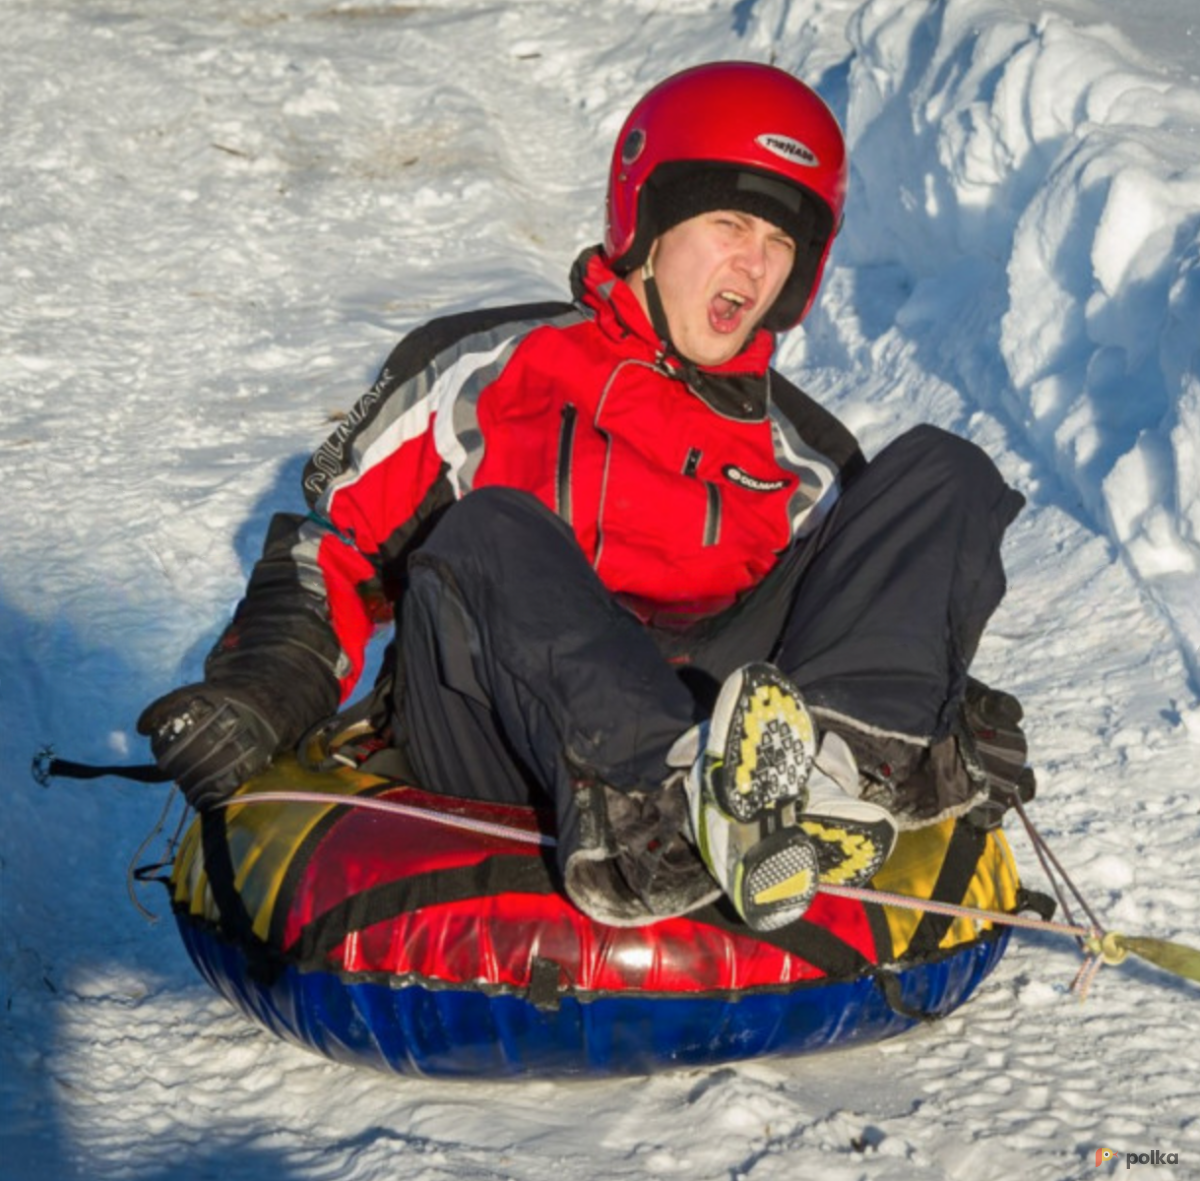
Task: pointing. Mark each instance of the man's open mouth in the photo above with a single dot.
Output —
(728, 305)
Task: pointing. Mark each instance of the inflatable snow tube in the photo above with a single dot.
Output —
(400, 943)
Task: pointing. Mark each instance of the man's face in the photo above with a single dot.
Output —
(717, 274)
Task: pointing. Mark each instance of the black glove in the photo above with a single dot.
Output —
(993, 748)
(209, 741)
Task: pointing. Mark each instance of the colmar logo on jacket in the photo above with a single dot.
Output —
(743, 479)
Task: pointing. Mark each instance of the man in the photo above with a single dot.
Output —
(635, 573)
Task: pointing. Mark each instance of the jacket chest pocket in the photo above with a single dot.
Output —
(712, 512)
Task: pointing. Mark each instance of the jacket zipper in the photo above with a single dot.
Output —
(712, 517)
(612, 377)
(712, 513)
(562, 469)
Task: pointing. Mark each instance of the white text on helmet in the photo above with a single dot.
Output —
(789, 149)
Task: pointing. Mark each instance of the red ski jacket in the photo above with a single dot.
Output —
(682, 485)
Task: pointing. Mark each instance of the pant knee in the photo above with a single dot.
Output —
(492, 516)
(960, 473)
(942, 451)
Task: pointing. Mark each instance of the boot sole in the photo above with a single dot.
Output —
(779, 879)
(770, 743)
(849, 852)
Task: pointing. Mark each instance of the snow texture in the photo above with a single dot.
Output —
(216, 219)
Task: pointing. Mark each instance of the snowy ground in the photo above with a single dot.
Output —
(214, 221)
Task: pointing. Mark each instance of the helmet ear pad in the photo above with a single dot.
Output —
(680, 190)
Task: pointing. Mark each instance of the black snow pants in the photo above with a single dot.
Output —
(521, 674)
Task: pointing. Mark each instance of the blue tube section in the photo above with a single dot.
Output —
(462, 1032)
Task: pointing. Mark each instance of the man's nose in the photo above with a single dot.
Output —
(752, 255)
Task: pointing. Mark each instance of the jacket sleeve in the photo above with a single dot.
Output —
(327, 578)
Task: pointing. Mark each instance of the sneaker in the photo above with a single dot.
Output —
(746, 790)
(852, 836)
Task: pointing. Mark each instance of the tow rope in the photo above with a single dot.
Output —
(1098, 945)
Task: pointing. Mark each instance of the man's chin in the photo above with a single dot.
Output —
(715, 348)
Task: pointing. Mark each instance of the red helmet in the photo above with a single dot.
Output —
(730, 135)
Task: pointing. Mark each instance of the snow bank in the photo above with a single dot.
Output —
(1036, 173)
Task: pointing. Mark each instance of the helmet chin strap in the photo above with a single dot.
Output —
(658, 320)
(654, 304)
(747, 400)
(691, 371)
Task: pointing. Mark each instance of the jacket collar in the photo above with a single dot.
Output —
(616, 311)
